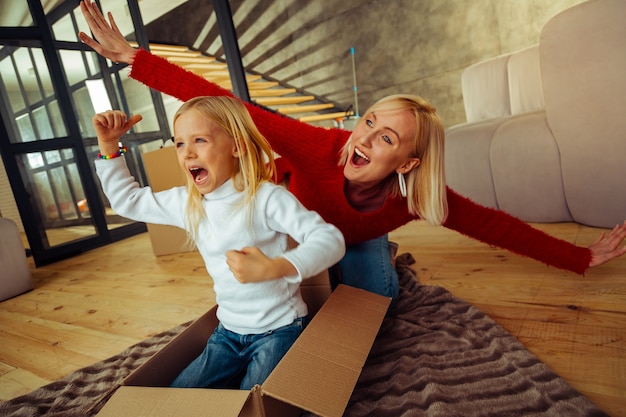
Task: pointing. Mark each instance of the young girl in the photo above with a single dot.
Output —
(396, 146)
(240, 223)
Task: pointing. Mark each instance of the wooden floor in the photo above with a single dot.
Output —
(93, 306)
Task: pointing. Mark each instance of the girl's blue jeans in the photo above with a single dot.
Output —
(367, 265)
(232, 360)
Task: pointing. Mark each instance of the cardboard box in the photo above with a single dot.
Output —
(318, 373)
(163, 173)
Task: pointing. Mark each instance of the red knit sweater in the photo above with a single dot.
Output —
(317, 179)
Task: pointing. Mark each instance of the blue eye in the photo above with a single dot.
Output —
(178, 144)
(387, 139)
(369, 123)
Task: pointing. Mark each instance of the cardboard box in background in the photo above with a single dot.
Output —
(318, 373)
(163, 173)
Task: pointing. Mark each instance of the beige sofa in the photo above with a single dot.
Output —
(15, 275)
(545, 137)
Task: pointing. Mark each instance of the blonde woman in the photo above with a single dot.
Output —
(240, 223)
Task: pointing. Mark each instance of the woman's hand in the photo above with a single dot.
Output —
(607, 247)
(110, 126)
(110, 41)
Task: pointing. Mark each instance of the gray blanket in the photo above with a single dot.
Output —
(435, 355)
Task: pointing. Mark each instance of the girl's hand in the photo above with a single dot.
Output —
(607, 247)
(111, 43)
(110, 126)
(251, 265)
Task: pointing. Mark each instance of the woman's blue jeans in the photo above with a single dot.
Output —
(367, 265)
(232, 360)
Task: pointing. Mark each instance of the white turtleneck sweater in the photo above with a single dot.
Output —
(242, 308)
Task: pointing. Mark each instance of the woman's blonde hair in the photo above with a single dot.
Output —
(256, 158)
(426, 185)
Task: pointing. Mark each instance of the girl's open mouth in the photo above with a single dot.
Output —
(199, 175)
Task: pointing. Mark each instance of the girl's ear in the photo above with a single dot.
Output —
(408, 165)
(236, 151)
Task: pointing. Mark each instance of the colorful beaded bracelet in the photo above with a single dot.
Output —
(121, 152)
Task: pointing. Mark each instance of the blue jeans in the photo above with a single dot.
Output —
(367, 265)
(232, 360)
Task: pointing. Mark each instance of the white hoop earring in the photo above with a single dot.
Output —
(402, 184)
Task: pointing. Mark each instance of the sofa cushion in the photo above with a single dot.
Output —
(485, 88)
(467, 165)
(526, 170)
(525, 87)
(583, 61)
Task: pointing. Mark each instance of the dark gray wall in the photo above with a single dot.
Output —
(409, 46)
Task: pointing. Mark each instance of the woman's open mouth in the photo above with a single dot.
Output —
(359, 158)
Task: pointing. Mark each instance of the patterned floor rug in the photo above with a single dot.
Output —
(435, 355)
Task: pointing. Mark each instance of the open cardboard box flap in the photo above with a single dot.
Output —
(318, 373)
(190, 402)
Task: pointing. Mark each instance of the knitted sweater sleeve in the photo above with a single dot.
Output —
(498, 228)
(160, 74)
(285, 135)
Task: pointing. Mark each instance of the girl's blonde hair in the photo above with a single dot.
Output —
(426, 185)
(256, 158)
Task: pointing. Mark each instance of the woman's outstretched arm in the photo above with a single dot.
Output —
(498, 228)
(288, 137)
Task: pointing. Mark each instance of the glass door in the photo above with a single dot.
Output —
(51, 85)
